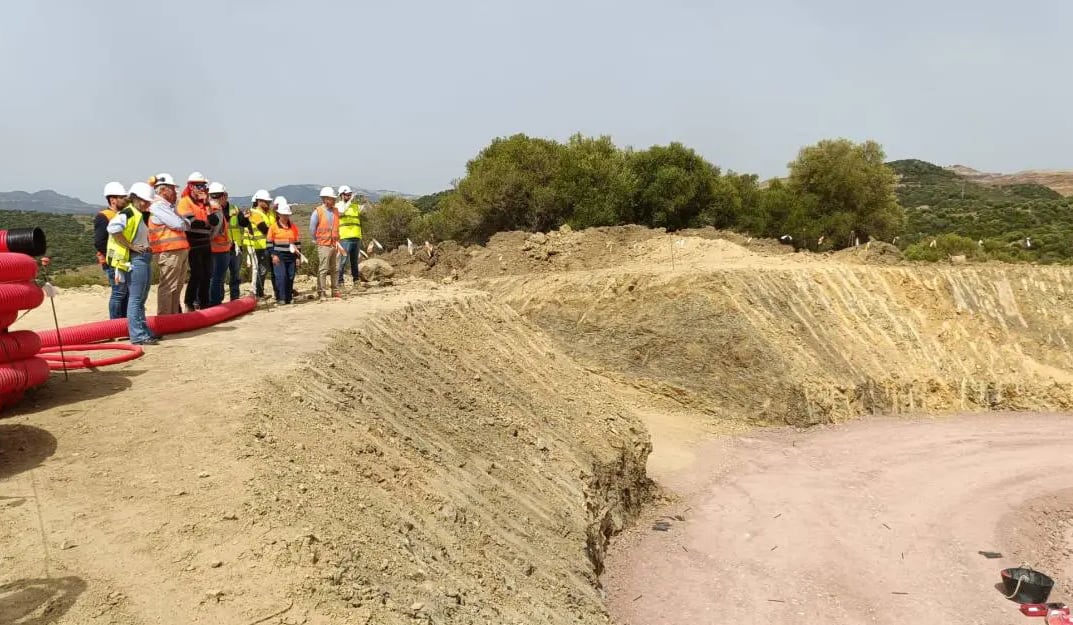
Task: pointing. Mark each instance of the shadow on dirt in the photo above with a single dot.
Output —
(38, 601)
(81, 385)
(23, 447)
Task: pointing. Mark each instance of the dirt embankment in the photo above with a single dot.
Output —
(450, 465)
(802, 340)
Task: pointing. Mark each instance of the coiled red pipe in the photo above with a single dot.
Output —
(16, 296)
(71, 359)
(107, 330)
(17, 267)
(7, 318)
(16, 377)
(18, 345)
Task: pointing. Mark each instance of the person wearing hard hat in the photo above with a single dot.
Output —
(349, 233)
(129, 254)
(227, 224)
(167, 240)
(324, 226)
(116, 197)
(261, 219)
(283, 244)
(194, 207)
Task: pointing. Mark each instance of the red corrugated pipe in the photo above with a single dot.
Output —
(18, 345)
(17, 267)
(107, 330)
(69, 360)
(16, 377)
(16, 296)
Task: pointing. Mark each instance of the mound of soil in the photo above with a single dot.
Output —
(871, 253)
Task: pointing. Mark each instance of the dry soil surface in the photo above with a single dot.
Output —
(879, 521)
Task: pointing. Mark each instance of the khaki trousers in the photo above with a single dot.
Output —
(328, 267)
(173, 270)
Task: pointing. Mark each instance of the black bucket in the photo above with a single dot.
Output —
(29, 241)
(1026, 585)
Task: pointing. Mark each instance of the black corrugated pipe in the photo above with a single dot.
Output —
(23, 241)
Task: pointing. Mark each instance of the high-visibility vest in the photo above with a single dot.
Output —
(221, 241)
(165, 239)
(118, 256)
(327, 234)
(350, 222)
(234, 230)
(108, 214)
(258, 217)
(281, 237)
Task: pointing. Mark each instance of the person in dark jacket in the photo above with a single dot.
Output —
(194, 207)
(116, 197)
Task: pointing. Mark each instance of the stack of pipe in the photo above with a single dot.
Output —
(20, 368)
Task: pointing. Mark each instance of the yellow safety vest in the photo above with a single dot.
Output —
(117, 255)
(258, 217)
(350, 222)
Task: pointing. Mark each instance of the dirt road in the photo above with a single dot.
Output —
(832, 525)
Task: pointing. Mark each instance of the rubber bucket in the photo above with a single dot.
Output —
(1030, 586)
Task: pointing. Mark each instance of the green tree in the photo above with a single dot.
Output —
(676, 188)
(391, 221)
(854, 191)
(595, 181)
(511, 185)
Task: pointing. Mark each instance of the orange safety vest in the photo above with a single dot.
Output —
(165, 239)
(189, 208)
(326, 235)
(280, 238)
(220, 242)
(109, 214)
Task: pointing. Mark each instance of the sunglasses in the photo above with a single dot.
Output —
(217, 196)
(201, 186)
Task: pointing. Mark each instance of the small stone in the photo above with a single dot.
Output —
(417, 606)
(180, 493)
(216, 564)
(203, 474)
(66, 544)
(302, 488)
(541, 444)
(477, 378)
(230, 516)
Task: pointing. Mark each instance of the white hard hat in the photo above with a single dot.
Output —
(217, 187)
(142, 190)
(327, 192)
(262, 195)
(160, 179)
(114, 189)
(197, 176)
(345, 189)
(282, 207)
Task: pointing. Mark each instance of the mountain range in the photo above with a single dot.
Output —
(49, 201)
(1060, 180)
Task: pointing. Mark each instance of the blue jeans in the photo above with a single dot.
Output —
(351, 247)
(117, 303)
(137, 281)
(221, 261)
(234, 278)
(284, 272)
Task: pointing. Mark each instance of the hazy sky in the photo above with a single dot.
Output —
(400, 94)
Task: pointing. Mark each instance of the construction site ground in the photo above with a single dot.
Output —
(833, 439)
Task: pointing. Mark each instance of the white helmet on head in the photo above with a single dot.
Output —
(114, 189)
(328, 192)
(345, 189)
(217, 187)
(262, 195)
(162, 179)
(197, 176)
(282, 207)
(142, 190)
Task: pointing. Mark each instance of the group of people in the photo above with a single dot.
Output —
(200, 238)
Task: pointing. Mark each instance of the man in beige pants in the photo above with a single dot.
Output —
(324, 226)
(167, 239)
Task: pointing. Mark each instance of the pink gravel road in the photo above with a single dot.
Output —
(832, 525)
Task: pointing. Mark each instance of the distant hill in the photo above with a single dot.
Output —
(1016, 221)
(310, 194)
(44, 202)
(1060, 180)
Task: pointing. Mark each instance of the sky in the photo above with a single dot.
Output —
(399, 95)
